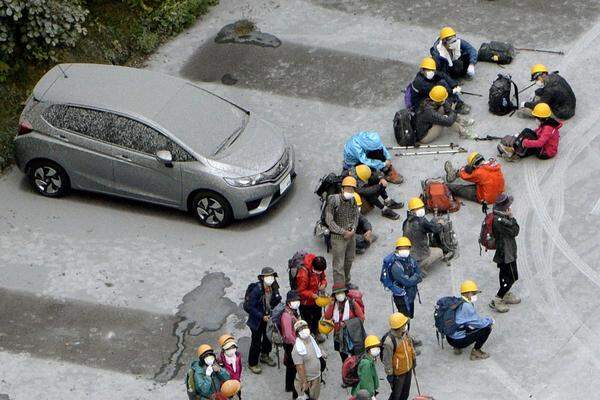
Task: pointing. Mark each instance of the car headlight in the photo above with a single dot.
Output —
(245, 181)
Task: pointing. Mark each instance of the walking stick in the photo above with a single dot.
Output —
(472, 94)
(560, 53)
(423, 146)
(416, 381)
(522, 90)
(427, 153)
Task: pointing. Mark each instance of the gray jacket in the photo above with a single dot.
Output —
(416, 229)
(340, 214)
(428, 114)
(505, 231)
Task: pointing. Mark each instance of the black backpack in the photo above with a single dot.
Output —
(499, 100)
(496, 52)
(328, 185)
(294, 265)
(249, 289)
(444, 316)
(404, 128)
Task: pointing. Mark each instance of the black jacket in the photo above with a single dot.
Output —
(505, 231)
(421, 86)
(363, 225)
(416, 229)
(557, 93)
(428, 115)
(371, 187)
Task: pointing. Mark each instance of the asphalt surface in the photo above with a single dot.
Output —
(106, 298)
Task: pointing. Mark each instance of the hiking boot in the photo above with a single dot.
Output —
(466, 122)
(266, 359)
(321, 338)
(255, 369)
(457, 351)
(394, 177)
(498, 305)
(417, 352)
(393, 204)
(466, 133)
(510, 298)
(389, 213)
(417, 342)
(360, 250)
(450, 171)
(463, 108)
(478, 355)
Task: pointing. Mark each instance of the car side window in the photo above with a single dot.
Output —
(87, 122)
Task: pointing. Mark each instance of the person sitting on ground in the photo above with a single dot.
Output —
(230, 358)
(312, 282)
(479, 180)
(364, 231)
(436, 113)
(208, 376)
(417, 228)
(367, 373)
(456, 57)
(426, 79)
(371, 185)
(229, 389)
(367, 148)
(307, 357)
(542, 143)
(398, 356)
(554, 90)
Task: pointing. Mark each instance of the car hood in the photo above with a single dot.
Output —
(258, 148)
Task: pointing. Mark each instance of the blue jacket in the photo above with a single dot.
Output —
(401, 275)
(442, 63)
(208, 385)
(254, 304)
(466, 315)
(356, 148)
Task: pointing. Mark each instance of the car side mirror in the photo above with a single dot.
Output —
(165, 157)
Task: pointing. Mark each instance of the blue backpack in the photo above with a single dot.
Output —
(444, 316)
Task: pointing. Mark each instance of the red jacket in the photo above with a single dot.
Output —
(489, 180)
(309, 281)
(355, 312)
(548, 138)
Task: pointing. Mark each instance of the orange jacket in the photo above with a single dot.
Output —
(489, 180)
(309, 281)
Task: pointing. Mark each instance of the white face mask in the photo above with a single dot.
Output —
(359, 208)
(420, 212)
(304, 333)
(294, 305)
(375, 351)
(429, 74)
(539, 82)
(269, 280)
(209, 360)
(340, 297)
(403, 253)
(473, 298)
(348, 196)
(230, 352)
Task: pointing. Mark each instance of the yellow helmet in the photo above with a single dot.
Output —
(403, 242)
(230, 388)
(349, 181)
(323, 301)
(446, 32)
(372, 341)
(468, 286)
(325, 326)
(225, 338)
(537, 68)
(541, 110)
(357, 199)
(397, 320)
(474, 158)
(363, 172)
(438, 94)
(428, 63)
(415, 203)
(203, 349)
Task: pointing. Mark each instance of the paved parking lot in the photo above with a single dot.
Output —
(106, 298)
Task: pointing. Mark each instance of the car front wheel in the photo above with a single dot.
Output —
(49, 179)
(212, 209)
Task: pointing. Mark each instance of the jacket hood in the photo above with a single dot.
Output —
(369, 140)
(553, 123)
(197, 365)
(308, 261)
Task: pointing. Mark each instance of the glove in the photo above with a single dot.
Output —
(471, 70)
(209, 371)
(457, 90)
(522, 104)
(469, 169)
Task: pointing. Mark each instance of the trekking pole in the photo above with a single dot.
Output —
(423, 146)
(522, 90)
(428, 153)
(472, 94)
(417, 381)
(488, 137)
(560, 53)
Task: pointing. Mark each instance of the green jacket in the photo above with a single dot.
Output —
(367, 374)
(205, 385)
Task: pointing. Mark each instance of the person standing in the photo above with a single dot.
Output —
(341, 217)
(367, 373)
(312, 283)
(398, 357)
(231, 359)
(505, 229)
(261, 298)
(205, 376)
(288, 319)
(307, 358)
(342, 309)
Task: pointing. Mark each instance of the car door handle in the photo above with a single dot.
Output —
(125, 157)
(62, 137)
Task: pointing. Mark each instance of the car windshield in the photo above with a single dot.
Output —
(202, 120)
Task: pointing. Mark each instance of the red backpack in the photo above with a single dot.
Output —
(350, 370)
(486, 236)
(438, 197)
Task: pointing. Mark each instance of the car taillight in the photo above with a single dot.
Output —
(24, 128)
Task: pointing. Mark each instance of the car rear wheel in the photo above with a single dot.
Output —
(49, 179)
(212, 209)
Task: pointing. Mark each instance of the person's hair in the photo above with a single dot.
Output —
(319, 263)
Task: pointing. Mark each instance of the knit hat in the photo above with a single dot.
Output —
(503, 202)
(292, 295)
(300, 324)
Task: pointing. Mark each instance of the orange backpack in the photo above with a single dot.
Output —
(438, 197)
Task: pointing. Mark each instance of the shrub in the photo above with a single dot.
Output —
(175, 15)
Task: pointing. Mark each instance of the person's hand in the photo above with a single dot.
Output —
(266, 318)
(209, 370)
(383, 182)
(322, 286)
(304, 386)
(368, 236)
(216, 367)
(348, 234)
(388, 163)
(471, 70)
(457, 90)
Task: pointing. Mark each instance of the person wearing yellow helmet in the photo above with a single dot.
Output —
(480, 180)
(553, 90)
(456, 57)
(230, 358)
(309, 362)
(364, 230)
(371, 186)
(398, 356)
(205, 376)
(472, 329)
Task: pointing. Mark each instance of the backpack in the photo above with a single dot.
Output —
(350, 370)
(497, 52)
(444, 316)
(408, 93)
(190, 385)
(294, 265)
(249, 289)
(438, 197)
(404, 128)
(499, 102)
(275, 325)
(445, 240)
(328, 185)
(486, 236)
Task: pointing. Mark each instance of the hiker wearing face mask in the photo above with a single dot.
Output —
(553, 90)
(427, 78)
(307, 357)
(398, 356)
(367, 148)
(472, 327)
(260, 299)
(231, 359)
(371, 186)
(343, 308)
(416, 227)
(367, 373)
(341, 217)
(456, 57)
(364, 229)
(436, 113)
(505, 229)
(312, 283)
(479, 180)
(288, 319)
(205, 376)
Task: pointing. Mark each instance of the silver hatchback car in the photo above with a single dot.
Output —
(150, 137)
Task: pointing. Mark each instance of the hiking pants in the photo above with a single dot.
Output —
(530, 151)
(312, 315)
(374, 199)
(400, 386)
(408, 310)
(361, 242)
(479, 337)
(459, 67)
(508, 276)
(436, 131)
(435, 254)
(260, 344)
(464, 189)
(290, 370)
(342, 252)
(314, 388)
